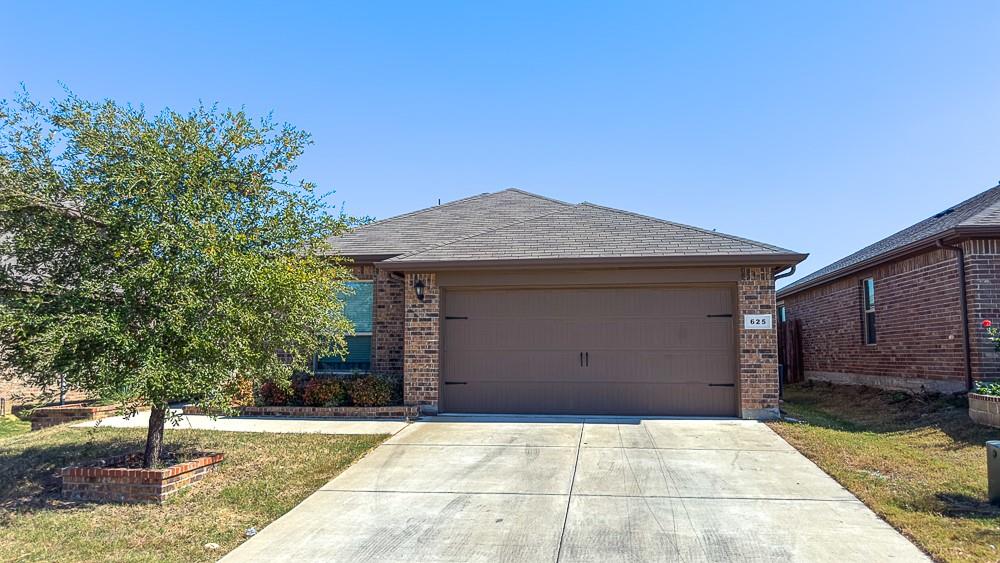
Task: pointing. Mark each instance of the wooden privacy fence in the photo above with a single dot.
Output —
(790, 351)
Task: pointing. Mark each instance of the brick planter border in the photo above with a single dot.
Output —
(984, 409)
(45, 417)
(105, 484)
(398, 411)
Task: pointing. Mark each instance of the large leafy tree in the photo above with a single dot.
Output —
(152, 258)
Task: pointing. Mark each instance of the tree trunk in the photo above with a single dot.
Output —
(154, 436)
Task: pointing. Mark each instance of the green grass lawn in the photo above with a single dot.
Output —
(919, 462)
(263, 476)
(12, 426)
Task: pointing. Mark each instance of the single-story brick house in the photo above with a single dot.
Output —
(905, 312)
(510, 302)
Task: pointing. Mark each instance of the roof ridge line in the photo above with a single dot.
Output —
(689, 227)
(426, 209)
(996, 201)
(429, 248)
(546, 198)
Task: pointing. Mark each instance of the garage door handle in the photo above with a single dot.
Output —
(722, 385)
(581, 359)
(456, 318)
(727, 316)
(588, 359)
(456, 382)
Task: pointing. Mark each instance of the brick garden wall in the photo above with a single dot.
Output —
(420, 359)
(917, 321)
(758, 349)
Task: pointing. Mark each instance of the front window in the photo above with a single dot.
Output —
(782, 314)
(358, 309)
(868, 309)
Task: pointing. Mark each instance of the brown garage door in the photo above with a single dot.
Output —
(627, 351)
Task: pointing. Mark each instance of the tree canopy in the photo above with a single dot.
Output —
(151, 258)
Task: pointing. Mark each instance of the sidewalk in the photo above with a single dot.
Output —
(260, 424)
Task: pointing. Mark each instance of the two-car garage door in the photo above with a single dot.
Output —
(618, 350)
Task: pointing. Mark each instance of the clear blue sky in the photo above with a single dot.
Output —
(818, 126)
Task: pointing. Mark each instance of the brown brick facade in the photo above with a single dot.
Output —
(982, 273)
(917, 318)
(758, 348)
(421, 344)
(14, 392)
(387, 324)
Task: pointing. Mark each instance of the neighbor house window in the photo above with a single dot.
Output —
(358, 309)
(868, 309)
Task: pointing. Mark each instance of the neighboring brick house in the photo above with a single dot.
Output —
(14, 392)
(893, 314)
(511, 302)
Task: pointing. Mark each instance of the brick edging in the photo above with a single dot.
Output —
(397, 411)
(45, 417)
(115, 484)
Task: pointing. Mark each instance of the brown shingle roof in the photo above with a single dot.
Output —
(436, 225)
(589, 231)
(516, 226)
(979, 211)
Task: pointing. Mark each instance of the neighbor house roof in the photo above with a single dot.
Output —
(513, 227)
(978, 215)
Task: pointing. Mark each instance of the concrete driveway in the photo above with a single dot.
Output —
(516, 489)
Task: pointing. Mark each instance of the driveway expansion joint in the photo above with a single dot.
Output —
(569, 497)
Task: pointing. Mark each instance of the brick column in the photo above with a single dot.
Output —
(420, 344)
(758, 349)
(982, 284)
(387, 324)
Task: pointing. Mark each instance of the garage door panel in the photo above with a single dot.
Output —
(534, 397)
(477, 333)
(648, 350)
(647, 366)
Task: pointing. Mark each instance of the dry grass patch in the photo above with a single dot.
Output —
(263, 476)
(919, 462)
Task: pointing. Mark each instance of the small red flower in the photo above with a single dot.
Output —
(987, 324)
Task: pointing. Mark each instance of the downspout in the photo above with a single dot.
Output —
(964, 304)
(781, 367)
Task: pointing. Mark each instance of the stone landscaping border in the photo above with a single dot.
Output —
(107, 484)
(45, 417)
(397, 411)
(984, 409)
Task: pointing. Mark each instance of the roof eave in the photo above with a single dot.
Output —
(775, 260)
(364, 258)
(951, 235)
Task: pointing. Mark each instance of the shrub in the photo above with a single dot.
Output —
(298, 392)
(271, 395)
(241, 393)
(371, 391)
(324, 392)
(991, 388)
